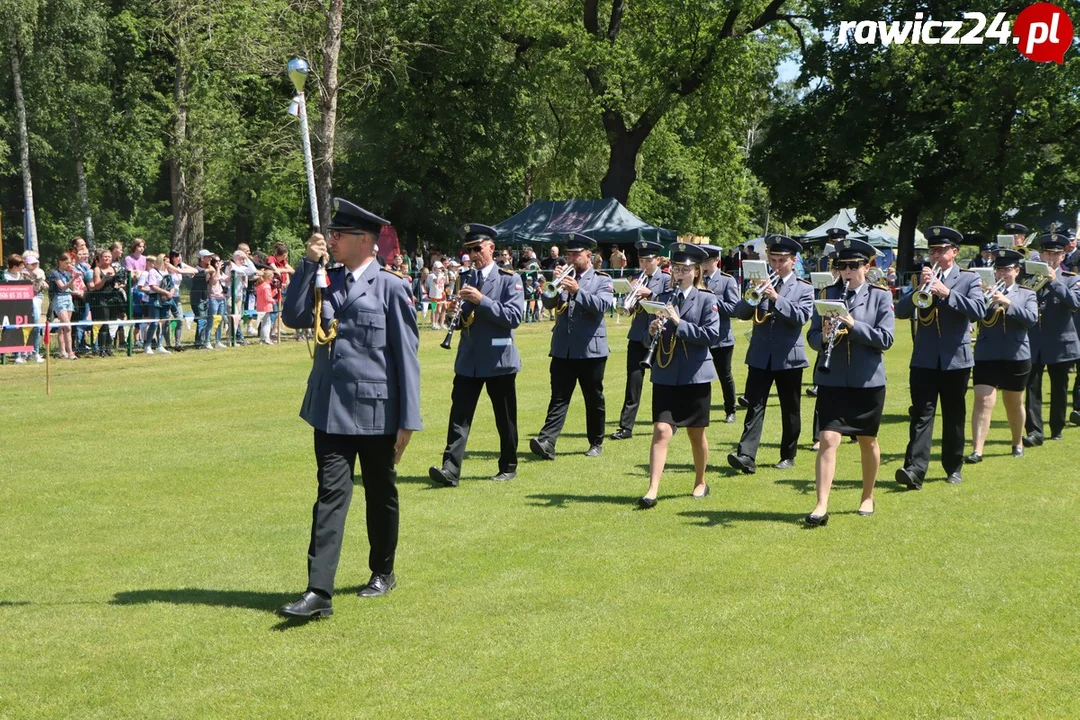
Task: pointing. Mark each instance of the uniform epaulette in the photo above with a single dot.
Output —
(969, 270)
(507, 271)
(601, 272)
(706, 290)
(403, 276)
(726, 275)
(335, 266)
(1066, 273)
(804, 280)
(879, 287)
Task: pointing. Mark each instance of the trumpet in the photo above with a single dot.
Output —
(756, 293)
(833, 335)
(455, 320)
(988, 292)
(647, 362)
(922, 297)
(630, 302)
(554, 287)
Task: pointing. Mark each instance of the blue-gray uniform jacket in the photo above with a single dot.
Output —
(777, 340)
(579, 332)
(486, 346)
(1053, 338)
(1004, 336)
(858, 355)
(367, 382)
(943, 340)
(639, 326)
(690, 360)
(726, 290)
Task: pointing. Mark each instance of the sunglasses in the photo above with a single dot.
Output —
(849, 265)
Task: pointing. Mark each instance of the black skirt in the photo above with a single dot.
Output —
(850, 411)
(1002, 374)
(682, 405)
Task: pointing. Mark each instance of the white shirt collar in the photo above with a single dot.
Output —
(360, 270)
(486, 271)
(685, 293)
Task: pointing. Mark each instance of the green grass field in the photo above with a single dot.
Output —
(155, 510)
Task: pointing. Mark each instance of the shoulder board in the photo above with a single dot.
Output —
(335, 266)
(726, 275)
(1066, 273)
(600, 272)
(878, 287)
(507, 271)
(395, 273)
(706, 290)
(804, 280)
(969, 270)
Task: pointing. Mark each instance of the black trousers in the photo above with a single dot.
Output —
(336, 458)
(789, 390)
(635, 378)
(721, 360)
(1059, 391)
(1076, 388)
(565, 374)
(926, 387)
(502, 390)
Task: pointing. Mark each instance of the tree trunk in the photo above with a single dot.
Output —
(24, 150)
(196, 226)
(80, 176)
(177, 170)
(622, 164)
(328, 97)
(906, 242)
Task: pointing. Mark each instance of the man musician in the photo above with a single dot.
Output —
(492, 305)
(579, 347)
(775, 354)
(941, 359)
(651, 282)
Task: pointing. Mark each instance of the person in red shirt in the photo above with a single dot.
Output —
(264, 305)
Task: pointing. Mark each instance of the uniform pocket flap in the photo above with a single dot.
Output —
(371, 390)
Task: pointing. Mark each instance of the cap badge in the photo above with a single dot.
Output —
(682, 247)
(1001, 253)
(937, 231)
(465, 229)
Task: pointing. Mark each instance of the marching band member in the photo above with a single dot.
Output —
(493, 304)
(986, 257)
(1054, 342)
(850, 373)
(653, 282)
(775, 354)
(1020, 243)
(725, 288)
(1003, 354)
(941, 359)
(682, 373)
(579, 347)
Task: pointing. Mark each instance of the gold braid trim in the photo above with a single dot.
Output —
(998, 314)
(668, 352)
(931, 318)
(322, 337)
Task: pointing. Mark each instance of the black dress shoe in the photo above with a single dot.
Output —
(703, 495)
(785, 464)
(973, 458)
(542, 449)
(908, 478)
(378, 585)
(730, 418)
(811, 391)
(594, 451)
(310, 605)
(742, 462)
(743, 402)
(1032, 440)
(646, 503)
(817, 520)
(622, 434)
(954, 478)
(1018, 451)
(1074, 417)
(504, 476)
(1057, 436)
(442, 476)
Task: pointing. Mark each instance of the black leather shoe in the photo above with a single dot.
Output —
(542, 449)
(954, 478)
(378, 585)
(1057, 436)
(594, 451)
(743, 402)
(1032, 441)
(973, 458)
(817, 520)
(310, 605)
(504, 476)
(1074, 417)
(646, 503)
(785, 464)
(1018, 451)
(622, 434)
(442, 476)
(908, 478)
(703, 495)
(730, 418)
(742, 462)
(811, 392)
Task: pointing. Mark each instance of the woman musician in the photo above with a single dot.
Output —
(1003, 353)
(682, 368)
(851, 373)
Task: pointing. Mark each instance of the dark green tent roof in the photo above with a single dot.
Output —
(606, 221)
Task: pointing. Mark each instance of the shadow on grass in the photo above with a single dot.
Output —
(13, 603)
(265, 601)
(728, 518)
(557, 500)
(807, 486)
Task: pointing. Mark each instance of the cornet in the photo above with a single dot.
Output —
(554, 286)
(834, 334)
(922, 297)
(988, 292)
(630, 302)
(756, 293)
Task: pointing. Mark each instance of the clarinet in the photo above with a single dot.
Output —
(832, 337)
(454, 321)
(647, 362)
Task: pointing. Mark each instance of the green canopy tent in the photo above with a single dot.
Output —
(606, 221)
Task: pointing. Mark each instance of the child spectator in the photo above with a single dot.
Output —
(61, 305)
(36, 275)
(264, 304)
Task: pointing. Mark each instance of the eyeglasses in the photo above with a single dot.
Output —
(849, 265)
(682, 269)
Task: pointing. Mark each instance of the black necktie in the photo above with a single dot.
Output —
(349, 279)
(849, 296)
(678, 301)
